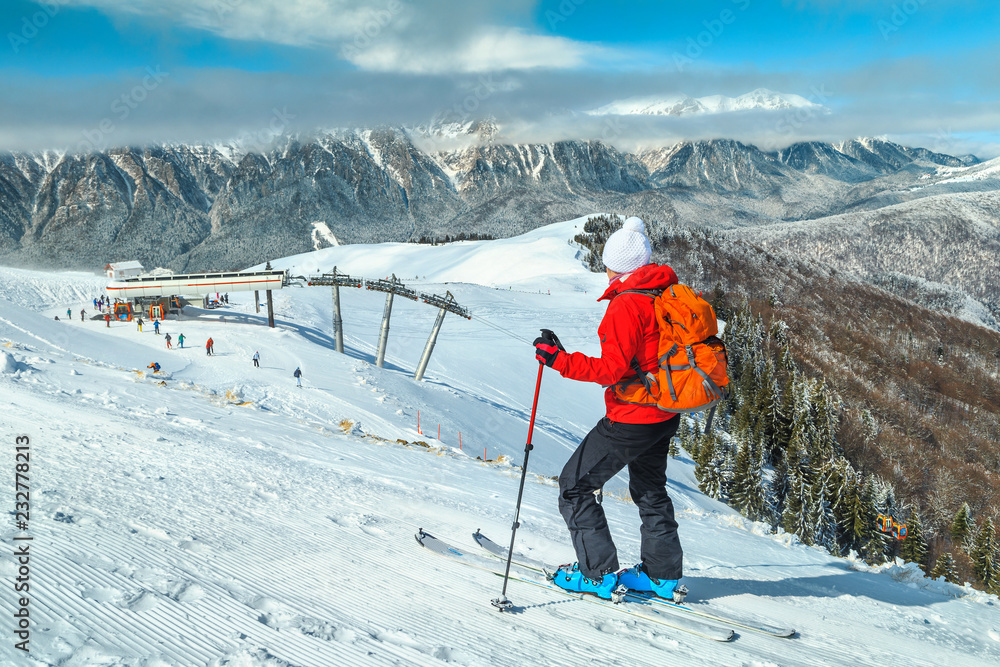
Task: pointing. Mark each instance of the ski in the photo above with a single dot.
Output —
(639, 609)
(500, 553)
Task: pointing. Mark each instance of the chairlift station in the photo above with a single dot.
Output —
(158, 294)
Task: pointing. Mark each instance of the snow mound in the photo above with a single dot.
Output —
(8, 365)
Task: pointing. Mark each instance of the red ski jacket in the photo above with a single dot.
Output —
(628, 331)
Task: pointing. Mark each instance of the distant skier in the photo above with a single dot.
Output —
(209, 345)
(167, 338)
(156, 327)
(298, 376)
(636, 436)
(155, 366)
(180, 341)
(107, 320)
(138, 323)
(256, 359)
(69, 314)
(83, 311)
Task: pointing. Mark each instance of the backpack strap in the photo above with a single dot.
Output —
(648, 292)
(640, 375)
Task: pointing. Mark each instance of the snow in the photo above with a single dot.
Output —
(215, 514)
(321, 234)
(978, 172)
(680, 105)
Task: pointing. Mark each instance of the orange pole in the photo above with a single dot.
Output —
(439, 431)
(418, 423)
(459, 441)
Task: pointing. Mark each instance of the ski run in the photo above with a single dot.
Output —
(215, 514)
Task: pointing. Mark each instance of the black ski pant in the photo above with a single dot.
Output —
(606, 450)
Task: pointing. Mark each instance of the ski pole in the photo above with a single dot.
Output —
(502, 602)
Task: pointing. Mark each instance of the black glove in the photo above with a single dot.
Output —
(547, 347)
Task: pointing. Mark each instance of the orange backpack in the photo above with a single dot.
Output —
(691, 376)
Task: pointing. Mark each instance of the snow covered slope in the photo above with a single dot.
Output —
(215, 514)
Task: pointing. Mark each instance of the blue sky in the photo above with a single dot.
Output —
(923, 71)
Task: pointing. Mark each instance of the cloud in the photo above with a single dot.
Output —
(411, 66)
(490, 50)
(204, 106)
(433, 36)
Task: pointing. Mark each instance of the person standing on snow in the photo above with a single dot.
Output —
(636, 436)
(69, 313)
(138, 323)
(298, 376)
(180, 341)
(167, 338)
(209, 344)
(156, 327)
(83, 311)
(256, 359)
(107, 320)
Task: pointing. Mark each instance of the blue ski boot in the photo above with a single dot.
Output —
(570, 578)
(636, 579)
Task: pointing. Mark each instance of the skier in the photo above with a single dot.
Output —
(167, 338)
(209, 344)
(156, 327)
(83, 311)
(107, 320)
(180, 341)
(138, 323)
(69, 314)
(256, 359)
(298, 376)
(155, 366)
(630, 435)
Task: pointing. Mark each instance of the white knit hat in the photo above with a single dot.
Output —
(628, 248)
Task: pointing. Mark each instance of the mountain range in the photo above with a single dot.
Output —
(876, 206)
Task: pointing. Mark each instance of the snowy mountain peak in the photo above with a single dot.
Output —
(680, 105)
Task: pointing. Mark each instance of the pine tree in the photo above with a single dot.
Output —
(766, 410)
(780, 485)
(944, 566)
(871, 544)
(825, 421)
(914, 548)
(709, 469)
(692, 441)
(962, 526)
(795, 519)
(823, 519)
(984, 556)
(784, 421)
(860, 533)
(747, 491)
(718, 301)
